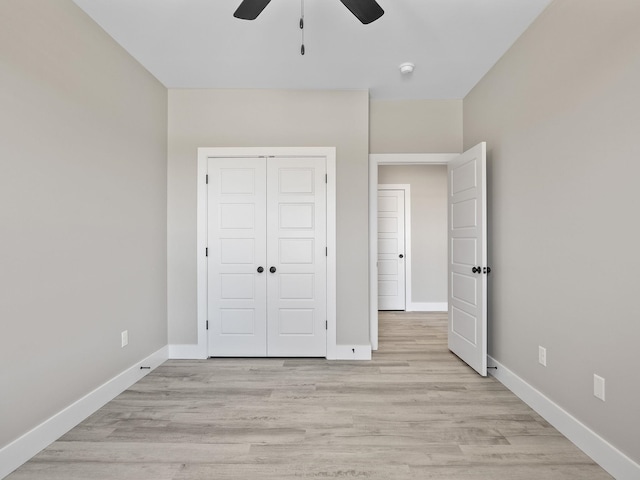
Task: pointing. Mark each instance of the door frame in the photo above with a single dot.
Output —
(204, 153)
(407, 237)
(376, 159)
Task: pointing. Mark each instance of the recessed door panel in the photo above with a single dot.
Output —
(388, 225)
(463, 214)
(237, 251)
(388, 267)
(464, 326)
(297, 250)
(388, 246)
(387, 288)
(464, 288)
(387, 204)
(296, 180)
(296, 321)
(464, 178)
(237, 321)
(296, 216)
(237, 181)
(464, 252)
(234, 286)
(237, 216)
(296, 286)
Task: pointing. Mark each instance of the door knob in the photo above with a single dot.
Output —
(476, 270)
(486, 270)
(260, 269)
(401, 256)
(272, 269)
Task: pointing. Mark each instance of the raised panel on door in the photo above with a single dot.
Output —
(236, 232)
(391, 243)
(296, 242)
(467, 335)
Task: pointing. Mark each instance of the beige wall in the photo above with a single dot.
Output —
(270, 118)
(416, 126)
(561, 116)
(82, 210)
(428, 227)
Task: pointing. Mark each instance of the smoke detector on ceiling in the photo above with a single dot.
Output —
(407, 68)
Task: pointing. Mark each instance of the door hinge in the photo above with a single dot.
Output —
(326, 178)
(326, 251)
(326, 324)
(207, 324)
(206, 252)
(207, 179)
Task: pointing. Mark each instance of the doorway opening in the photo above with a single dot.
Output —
(376, 160)
(466, 246)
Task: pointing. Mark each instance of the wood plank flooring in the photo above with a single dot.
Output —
(414, 412)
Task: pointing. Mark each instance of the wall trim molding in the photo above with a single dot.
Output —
(31, 443)
(412, 158)
(428, 307)
(615, 462)
(342, 352)
(352, 352)
(186, 352)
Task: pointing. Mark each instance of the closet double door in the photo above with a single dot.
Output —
(266, 257)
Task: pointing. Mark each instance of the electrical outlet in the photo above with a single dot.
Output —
(125, 338)
(598, 386)
(542, 356)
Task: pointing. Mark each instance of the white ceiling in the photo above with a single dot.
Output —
(199, 44)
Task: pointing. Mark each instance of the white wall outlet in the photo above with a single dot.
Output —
(598, 386)
(125, 338)
(542, 356)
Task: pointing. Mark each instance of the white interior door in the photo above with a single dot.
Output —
(296, 252)
(391, 250)
(468, 267)
(237, 250)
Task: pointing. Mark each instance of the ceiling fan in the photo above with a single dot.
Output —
(366, 11)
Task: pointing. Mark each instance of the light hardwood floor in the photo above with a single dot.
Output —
(414, 412)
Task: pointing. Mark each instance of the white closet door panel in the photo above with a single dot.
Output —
(296, 241)
(236, 233)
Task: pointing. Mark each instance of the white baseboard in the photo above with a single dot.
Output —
(342, 352)
(352, 352)
(32, 442)
(186, 352)
(619, 465)
(428, 307)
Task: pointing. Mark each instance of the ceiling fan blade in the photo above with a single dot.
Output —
(250, 9)
(366, 11)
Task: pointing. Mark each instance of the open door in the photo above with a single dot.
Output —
(468, 267)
